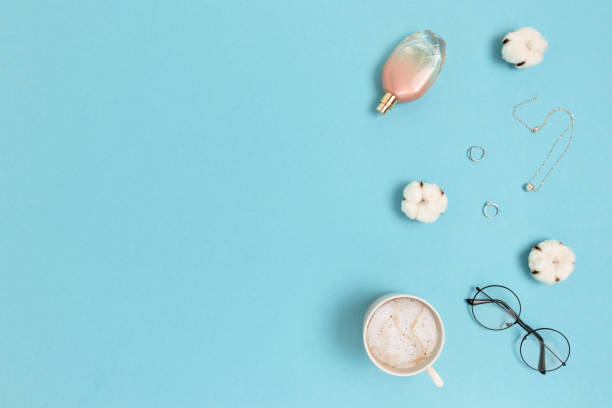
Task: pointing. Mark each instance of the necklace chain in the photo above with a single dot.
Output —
(530, 186)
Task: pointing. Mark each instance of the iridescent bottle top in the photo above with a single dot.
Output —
(412, 68)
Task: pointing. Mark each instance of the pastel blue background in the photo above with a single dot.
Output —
(198, 201)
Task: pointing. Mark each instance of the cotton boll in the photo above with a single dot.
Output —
(551, 261)
(428, 213)
(524, 47)
(410, 209)
(431, 192)
(413, 192)
(423, 202)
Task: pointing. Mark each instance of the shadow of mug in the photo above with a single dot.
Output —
(348, 322)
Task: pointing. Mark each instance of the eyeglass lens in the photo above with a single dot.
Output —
(496, 307)
(550, 355)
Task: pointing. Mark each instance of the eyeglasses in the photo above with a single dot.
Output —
(495, 308)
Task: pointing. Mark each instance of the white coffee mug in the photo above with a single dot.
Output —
(427, 365)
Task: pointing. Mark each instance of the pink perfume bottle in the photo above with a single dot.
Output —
(412, 68)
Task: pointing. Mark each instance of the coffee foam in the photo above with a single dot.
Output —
(402, 333)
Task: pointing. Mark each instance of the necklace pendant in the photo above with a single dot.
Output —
(529, 187)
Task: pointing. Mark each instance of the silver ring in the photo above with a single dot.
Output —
(490, 204)
(482, 156)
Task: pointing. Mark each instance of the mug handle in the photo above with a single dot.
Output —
(435, 377)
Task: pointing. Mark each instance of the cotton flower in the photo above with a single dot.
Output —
(423, 202)
(524, 47)
(551, 261)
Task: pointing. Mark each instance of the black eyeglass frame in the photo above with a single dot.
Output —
(541, 361)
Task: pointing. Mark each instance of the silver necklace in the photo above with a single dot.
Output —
(530, 186)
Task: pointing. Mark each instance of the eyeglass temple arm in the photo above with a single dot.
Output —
(503, 305)
(500, 303)
(543, 346)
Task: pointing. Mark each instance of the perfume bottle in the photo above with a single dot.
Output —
(412, 68)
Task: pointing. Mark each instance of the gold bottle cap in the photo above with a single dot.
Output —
(386, 103)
